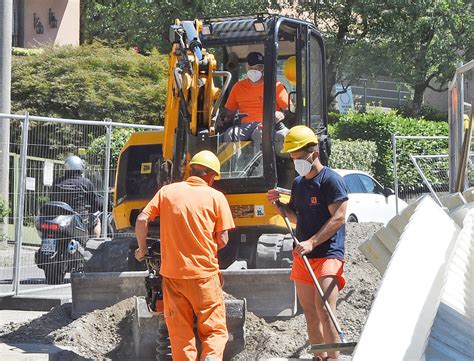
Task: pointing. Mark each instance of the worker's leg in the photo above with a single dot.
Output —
(306, 297)
(208, 304)
(97, 229)
(179, 318)
(329, 285)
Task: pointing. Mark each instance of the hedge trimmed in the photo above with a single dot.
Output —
(91, 82)
(357, 154)
(378, 127)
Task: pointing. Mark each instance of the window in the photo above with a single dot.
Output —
(354, 184)
(370, 185)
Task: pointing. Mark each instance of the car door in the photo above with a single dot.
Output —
(383, 207)
(360, 204)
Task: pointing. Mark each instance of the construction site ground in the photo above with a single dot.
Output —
(107, 334)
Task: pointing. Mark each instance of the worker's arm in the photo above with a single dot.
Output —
(141, 232)
(221, 238)
(337, 219)
(273, 197)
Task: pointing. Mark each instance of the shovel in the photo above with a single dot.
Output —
(344, 345)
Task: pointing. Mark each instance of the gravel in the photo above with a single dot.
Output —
(107, 334)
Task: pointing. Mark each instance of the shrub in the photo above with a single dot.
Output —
(96, 151)
(378, 127)
(357, 154)
(4, 210)
(91, 82)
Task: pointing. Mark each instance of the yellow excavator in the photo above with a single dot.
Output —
(207, 58)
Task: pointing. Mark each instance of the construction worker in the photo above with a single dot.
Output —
(79, 193)
(317, 205)
(194, 221)
(246, 96)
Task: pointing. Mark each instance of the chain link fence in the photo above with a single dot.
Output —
(38, 147)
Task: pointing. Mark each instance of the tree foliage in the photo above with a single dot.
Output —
(412, 42)
(91, 82)
(425, 42)
(378, 127)
(145, 23)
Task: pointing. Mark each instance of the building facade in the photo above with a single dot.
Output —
(41, 22)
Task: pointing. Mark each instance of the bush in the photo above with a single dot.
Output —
(4, 210)
(91, 82)
(357, 154)
(96, 151)
(378, 127)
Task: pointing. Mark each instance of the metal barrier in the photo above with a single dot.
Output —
(411, 182)
(38, 147)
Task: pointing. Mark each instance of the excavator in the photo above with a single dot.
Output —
(207, 58)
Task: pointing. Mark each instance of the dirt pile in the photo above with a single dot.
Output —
(107, 334)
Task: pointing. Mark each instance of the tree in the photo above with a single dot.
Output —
(88, 82)
(347, 26)
(145, 23)
(425, 41)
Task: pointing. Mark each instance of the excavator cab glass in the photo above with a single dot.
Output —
(252, 163)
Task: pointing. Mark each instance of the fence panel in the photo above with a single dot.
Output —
(418, 164)
(36, 165)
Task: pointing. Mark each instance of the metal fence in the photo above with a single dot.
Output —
(38, 147)
(418, 168)
(381, 93)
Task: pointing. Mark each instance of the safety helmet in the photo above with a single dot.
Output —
(73, 162)
(208, 160)
(298, 137)
(289, 69)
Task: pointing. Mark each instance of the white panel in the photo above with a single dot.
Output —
(407, 300)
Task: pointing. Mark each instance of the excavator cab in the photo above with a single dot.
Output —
(207, 59)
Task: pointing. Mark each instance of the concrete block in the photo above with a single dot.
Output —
(468, 194)
(269, 292)
(431, 233)
(376, 252)
(91, 291)
(453, 200)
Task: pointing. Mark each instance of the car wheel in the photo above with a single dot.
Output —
(352, 218)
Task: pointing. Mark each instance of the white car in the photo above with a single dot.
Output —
(368, 200)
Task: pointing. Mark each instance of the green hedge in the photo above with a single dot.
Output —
(378, 127)
(96, 151)
(4, 210)
(357, 154)
(91, 82)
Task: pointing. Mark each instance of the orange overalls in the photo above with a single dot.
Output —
(190, 213)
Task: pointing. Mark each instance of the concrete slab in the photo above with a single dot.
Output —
(35, 352)
(38, 300)
(15, 316)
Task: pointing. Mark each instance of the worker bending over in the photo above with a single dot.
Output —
(194, 220)
(318, 207)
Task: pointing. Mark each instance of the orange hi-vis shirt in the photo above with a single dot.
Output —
(190, 213)
(248, 98)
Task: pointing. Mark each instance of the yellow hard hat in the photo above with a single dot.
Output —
(298, 137)
(208, 160)
(289, 69)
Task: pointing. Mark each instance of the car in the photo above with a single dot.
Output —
(368, 200)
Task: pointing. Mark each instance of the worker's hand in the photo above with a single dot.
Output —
(304, 247)
(279, 116)
(140, 254)
(273, 196)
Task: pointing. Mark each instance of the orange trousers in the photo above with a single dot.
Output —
(182, 300)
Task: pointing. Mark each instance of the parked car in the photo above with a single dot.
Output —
(368, 200)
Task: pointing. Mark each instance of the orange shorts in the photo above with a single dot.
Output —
(322, 267)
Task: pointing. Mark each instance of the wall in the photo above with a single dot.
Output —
(67, 14)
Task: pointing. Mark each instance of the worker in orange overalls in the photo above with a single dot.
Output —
(194, 220)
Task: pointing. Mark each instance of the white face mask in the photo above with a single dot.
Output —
(303, 166)
(254, 75)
